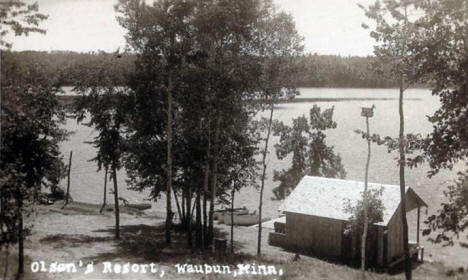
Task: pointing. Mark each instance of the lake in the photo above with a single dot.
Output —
(87, 184)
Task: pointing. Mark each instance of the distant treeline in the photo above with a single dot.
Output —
(338, 71)
(319, 70)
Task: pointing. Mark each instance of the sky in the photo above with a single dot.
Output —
(328, 26)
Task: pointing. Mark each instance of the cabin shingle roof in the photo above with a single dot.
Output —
(325, 197)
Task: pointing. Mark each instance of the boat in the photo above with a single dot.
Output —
(219, 214)
(139, 206)
(242, 219)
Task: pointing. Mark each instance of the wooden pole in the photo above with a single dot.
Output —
(67, 197)
(364, 234)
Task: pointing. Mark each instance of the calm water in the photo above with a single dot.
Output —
(87, 183)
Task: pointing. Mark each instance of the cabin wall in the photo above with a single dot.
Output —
(395, 236)
(317, 235)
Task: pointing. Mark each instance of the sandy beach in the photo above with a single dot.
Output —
(79, 235)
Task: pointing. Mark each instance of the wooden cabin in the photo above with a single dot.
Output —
(315, 221)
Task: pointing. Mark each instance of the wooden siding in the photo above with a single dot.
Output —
(316, 235)
(395, 237)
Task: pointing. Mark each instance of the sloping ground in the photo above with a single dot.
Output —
(80, 233)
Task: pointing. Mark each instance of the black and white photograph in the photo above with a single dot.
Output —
(233, 139)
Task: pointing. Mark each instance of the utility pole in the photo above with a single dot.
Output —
(367, 113)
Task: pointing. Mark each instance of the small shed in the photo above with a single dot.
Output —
(316, 221)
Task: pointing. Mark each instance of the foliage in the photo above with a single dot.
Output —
(208, 68)
(347, 72)
(305, 139)
(375, 210)
(31, 131)
(394, 28)
(100, 106)
(413, 146)
(442, 53)
(315, 71)
(442, 48)
(20, 18)
(452, 218)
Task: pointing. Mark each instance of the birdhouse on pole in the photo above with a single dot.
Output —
(368, 112)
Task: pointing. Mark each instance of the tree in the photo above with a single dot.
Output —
(212, 64)
(393, 32)
(101, 106)
(30, 157)
(280, 46)
(451, 220)
(30, 130)
(19, 18)
(375, 211)
(305, 139)
(442, 53)
(367, 211)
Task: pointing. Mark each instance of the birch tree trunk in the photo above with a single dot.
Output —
(169, 161)
(116, 202)
(214, 182)
(402, 161)
(232, 219)
(262, 186)
(403, 184)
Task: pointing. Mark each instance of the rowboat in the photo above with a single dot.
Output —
(241, 220)
(139, 206)
(219, 214)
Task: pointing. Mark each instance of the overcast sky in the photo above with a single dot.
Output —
(328, 26)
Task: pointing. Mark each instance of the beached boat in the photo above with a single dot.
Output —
(241, 220)
(139, 206)
(219, 214)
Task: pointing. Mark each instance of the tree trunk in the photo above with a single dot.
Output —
(169, 161)
(206, 183)
(232, 219)
(179, 211)
(188, 215)
(116, 201)
(214, 176)
(403, 184)
(20, 238)
(182, 206)
(199, 230)
(105, 192)
(7, 253)
(67, 197)
(204, 219)
(365, 202)
(260, 205)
